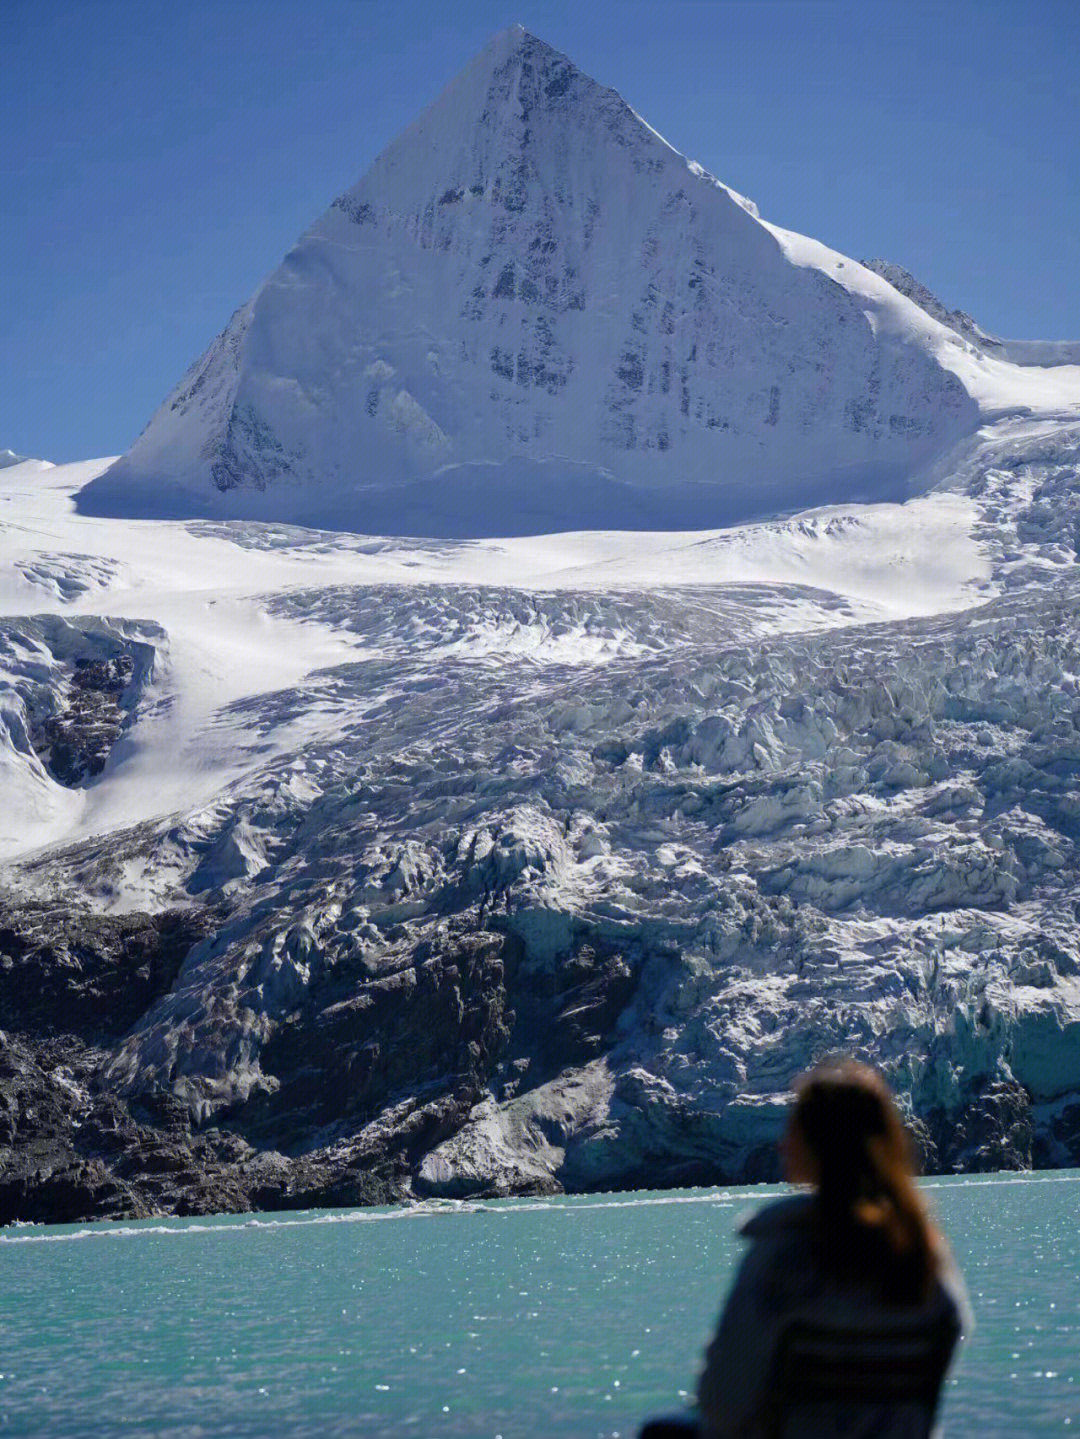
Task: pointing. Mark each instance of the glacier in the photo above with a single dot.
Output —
(420, 781)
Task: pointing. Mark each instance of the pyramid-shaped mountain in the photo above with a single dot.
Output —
(533, 314)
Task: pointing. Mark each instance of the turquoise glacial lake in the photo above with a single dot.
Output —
(530, 1319)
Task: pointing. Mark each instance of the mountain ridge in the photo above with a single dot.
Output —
(1038, 353)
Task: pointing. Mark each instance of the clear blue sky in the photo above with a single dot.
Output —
(159, 158)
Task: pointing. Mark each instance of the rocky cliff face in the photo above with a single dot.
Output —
(531, 314)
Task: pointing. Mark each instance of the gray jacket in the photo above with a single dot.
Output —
(781, 1279)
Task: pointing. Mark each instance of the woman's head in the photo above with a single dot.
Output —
(846, 1138)
(844, 1116)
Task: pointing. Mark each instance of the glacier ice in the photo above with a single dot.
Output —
(549, 879)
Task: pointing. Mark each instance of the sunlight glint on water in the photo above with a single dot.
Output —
(526, 1319)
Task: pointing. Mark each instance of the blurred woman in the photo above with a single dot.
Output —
(857, 1254)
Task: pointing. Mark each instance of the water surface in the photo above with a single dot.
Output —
(529, 1319)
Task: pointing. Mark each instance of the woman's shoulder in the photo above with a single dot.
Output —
(951, 1291)
(790, 1215)
(782, 1257)
(784, 1262)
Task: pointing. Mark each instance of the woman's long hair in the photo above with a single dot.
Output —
(874, 1226)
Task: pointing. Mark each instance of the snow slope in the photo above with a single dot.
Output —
(228, 629)
(532, 314)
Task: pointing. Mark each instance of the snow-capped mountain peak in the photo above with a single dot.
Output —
(506, 123)
(532, 313)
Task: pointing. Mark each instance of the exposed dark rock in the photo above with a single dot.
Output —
(993, 1130)
(364, 1077)
(361, 1045)
(69, 1151)
(564, 1014)
(1057, 1142)
(76, 742)
(89, 975)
